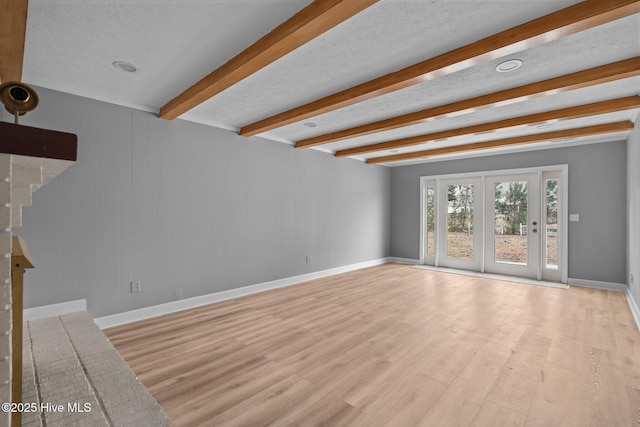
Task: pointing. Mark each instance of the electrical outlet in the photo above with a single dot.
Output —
(308, 258)
(136, 287)
(632, 279)
(574, 217)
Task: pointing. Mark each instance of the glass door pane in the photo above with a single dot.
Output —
(460, 221)
(510, 224)
(551, 232)
(512, 243)
(552, 227)
(430, 219)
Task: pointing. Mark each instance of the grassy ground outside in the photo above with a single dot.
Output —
(509, 248)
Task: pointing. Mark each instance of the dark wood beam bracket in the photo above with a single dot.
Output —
(34, 142)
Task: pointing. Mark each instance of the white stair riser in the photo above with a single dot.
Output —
(16, 216)
(21, 195)
(27, 174)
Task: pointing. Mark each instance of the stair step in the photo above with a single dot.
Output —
(27, 173)
(72, 360)
(16, 216)
(21, 194)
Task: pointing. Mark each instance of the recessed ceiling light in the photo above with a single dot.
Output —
(545, 126)
(395, 151)
(510, 65)
(310, 124)
(124, 66)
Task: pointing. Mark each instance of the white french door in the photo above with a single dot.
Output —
(512, 224)
(504, 222)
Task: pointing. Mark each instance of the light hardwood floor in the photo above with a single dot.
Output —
(395, 346)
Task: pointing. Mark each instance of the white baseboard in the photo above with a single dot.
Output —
(633, 306)
(403, 260)
(609, 286)
(54, 309)
(185, 304)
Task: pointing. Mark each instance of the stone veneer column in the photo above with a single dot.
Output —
(5, 285)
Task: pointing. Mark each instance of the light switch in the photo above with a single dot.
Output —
(574, 217)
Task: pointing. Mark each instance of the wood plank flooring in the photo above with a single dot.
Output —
(395, 346)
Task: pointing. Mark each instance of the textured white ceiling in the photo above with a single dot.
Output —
(599, 46)
(385, 37)
(71, 44)
(611, 90)
(514, 131)
(595, 139)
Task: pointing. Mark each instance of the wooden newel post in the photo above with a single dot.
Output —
(20, 259)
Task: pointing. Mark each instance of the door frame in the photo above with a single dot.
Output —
(563, 169)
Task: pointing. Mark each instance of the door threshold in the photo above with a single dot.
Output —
(494, 276)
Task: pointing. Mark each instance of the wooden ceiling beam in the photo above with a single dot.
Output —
(13, 27)
(575, 18)
(315, 19)
(526, 139)
(596, 108)
(593, 76)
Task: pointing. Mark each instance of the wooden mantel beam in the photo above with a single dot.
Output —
(35, 142)
(315, 19)
(593, 76)
(596, 108)
(13, 27)
(579, 17)
(525, 139)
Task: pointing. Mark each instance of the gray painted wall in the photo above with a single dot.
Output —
(597, 191)
(189, 210)
(633, 213)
